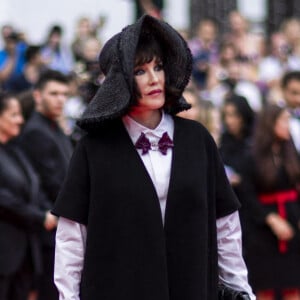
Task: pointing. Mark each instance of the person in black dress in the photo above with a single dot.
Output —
(273, 253)
(235, 148)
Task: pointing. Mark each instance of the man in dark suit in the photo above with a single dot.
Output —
(49, 150)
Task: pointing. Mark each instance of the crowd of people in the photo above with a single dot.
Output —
(245, 89)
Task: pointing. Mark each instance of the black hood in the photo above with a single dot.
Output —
(117, 62)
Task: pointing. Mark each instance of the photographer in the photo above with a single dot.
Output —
(11, 58)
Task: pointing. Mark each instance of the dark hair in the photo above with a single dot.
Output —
(147, 49)
(27, 103)
(244, 110)
(210, 20)
(226, 44)
(55, 29)
(264, 139)
(50, 75)
(13, 36)
(31, 52)
(4, 99)
(289, 76)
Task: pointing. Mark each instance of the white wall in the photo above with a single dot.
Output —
(177, 13)
(34, 17)
(254, 10)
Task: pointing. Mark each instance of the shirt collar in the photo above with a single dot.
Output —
(51, 123)
(135, 129)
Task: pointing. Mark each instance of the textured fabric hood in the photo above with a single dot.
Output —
(117, 62)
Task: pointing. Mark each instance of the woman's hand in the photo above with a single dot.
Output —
(50, 221)
(280, 227)
(233, 177)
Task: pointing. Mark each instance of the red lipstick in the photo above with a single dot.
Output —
(158, 91)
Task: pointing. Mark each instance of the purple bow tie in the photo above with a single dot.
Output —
(163, 144)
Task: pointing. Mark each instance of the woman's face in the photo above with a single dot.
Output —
(91, 49)
(11, 120)
(228, 53)
(233, 120)
(237, 22)
(84, 28)
(54, 39)
(207, 31)
(281, 127)
(150, 80)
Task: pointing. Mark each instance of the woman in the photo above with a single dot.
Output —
(238, 119)
(54, 54)
(250, 45)
(139, 207)
(218, 71)
(22, 215)
(202, 111)
(274, 239)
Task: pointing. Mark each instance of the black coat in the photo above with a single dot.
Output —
(129, 253)
(49, 151)
(21, 211)
(236, 153)
(268, 267)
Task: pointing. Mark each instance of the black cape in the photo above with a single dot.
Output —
(129, 253)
